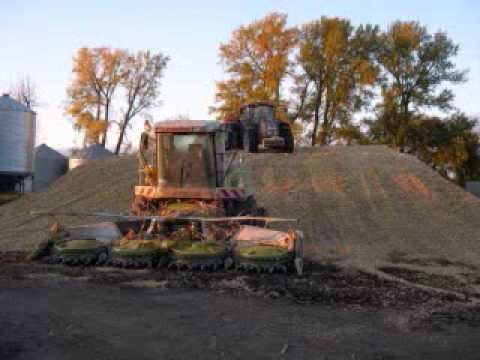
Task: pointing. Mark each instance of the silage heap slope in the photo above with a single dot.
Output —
(369, 205)
(365, 205)
(101, 185)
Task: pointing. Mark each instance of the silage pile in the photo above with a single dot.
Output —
(369, 204)
(101, 185)
(364, 204)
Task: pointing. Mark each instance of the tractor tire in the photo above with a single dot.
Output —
(286, 134)
(233, 138)
(250, 140)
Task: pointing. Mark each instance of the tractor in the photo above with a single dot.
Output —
(193, 208)
(258, 127)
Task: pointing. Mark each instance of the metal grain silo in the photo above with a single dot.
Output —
(17, 141)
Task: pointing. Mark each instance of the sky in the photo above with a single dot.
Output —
(40, 37)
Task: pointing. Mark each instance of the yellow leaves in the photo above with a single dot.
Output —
(98, 68)
(93, 129)
(76, 108)
(366, 71)
(97, 73)
(256, 57)
(454, 153)
(406, 35)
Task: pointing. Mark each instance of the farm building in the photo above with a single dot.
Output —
(49, 165)
(92, 152)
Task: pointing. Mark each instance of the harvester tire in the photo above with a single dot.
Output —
(248, 260)
(138, 258)
(77, 252)
(187, 259)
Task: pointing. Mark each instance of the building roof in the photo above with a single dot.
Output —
(7, 103)
(95, 151)
(45, 151)
(187, 126)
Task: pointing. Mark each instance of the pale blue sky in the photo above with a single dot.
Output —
(40, 37)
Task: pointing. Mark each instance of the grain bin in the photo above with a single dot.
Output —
(49, 166)
(17, 141)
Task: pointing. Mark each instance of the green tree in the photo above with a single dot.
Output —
(416, 66)
(337, 74)
(449, 144)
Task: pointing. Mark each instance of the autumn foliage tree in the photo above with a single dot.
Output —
(256, 59)
(449, 144)
(337, 75)
(100, 74)
(97, 73)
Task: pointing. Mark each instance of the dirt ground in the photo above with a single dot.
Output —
(55, 312)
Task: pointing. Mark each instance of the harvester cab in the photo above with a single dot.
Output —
(193, 208)
(187, 163)
(260, 126)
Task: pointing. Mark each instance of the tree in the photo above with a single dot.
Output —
(449, 144)
(111, 76)
(25, 92)
(416, 64)
(141, 82)
(337, 74)
(257, 61)
(97, 74)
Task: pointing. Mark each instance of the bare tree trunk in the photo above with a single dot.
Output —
(98, 111)
(325, 125)
(315, 127)
(121, 135)
(107, 110)
(460, 177)
(277, 95)
(316, 121)
(97, 118)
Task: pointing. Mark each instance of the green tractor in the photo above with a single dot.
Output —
(258, 127)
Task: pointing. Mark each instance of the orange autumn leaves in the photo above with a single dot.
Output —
(322, 59)
(97, 73)
(257, 61)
